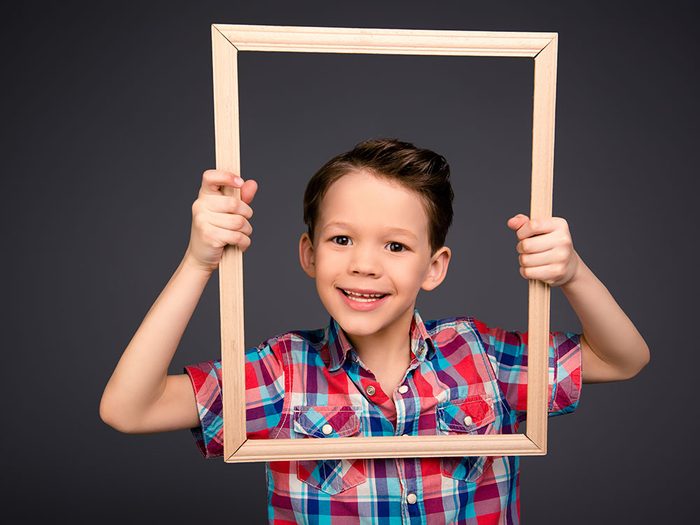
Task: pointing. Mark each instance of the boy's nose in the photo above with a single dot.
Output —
(364, 263)
(363, 271)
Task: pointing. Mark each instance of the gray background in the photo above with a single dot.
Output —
(107, 126)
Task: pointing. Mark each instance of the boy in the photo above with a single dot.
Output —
(377, 218)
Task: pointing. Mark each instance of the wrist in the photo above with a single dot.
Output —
(578, 276)
(190, 263)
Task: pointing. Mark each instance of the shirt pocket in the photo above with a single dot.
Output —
(331, 476)
(473, 415)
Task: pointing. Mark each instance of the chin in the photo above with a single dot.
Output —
(363, 323)
(358, 327)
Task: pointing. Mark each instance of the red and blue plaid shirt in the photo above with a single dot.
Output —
(464, 377)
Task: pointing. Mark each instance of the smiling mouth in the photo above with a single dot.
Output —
(363, 298)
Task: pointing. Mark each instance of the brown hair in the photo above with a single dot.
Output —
(421, 170)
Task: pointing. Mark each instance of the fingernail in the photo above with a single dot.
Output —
(238, 180)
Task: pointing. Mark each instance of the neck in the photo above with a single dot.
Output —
(389, 346)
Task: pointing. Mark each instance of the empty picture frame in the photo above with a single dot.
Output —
(227, 41)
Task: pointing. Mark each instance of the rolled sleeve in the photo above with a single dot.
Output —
(206, 382)
(264, 382)
(507, 351)
(565, 364)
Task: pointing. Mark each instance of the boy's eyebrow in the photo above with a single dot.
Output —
(388, 230)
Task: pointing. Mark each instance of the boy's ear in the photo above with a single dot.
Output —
(438, 269)
(306, 255)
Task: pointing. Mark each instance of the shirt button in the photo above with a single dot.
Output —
(370, 390)
(411, 498)
(403, 389)
(468, 420)
(327, 429)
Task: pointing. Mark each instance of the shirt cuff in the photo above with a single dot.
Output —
(206, 382)
(566, 393)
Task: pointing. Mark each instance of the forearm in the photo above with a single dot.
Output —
(140, 375)
(606, 327)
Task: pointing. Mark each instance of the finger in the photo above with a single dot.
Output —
(248, 190)
(535, 227)
(213, 181)
(539, 273)
(227, 204)
(231, 237)
(538, 259)
(536, 244)
(518, 218)
(231, 222)
(516, 222)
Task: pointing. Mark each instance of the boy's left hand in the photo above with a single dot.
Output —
(546, 249)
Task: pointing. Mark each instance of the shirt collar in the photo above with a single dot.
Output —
(337, 343)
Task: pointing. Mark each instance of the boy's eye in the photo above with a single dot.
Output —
(343, 240)
(340, 237)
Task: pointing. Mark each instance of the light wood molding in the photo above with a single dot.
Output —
(227, 41)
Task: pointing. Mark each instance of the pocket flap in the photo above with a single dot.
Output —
(470, 414)
(326, 421)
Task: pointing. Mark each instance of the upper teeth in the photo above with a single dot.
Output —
(364, 294)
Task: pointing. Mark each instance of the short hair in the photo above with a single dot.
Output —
(421, 170)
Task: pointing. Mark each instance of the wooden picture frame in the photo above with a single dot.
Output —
(227, 42)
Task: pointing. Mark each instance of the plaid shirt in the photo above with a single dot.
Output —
(464, 377)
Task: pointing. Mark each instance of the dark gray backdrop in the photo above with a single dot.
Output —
(107, 125)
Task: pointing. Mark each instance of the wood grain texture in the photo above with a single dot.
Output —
(228, 157)
(385, 447)
(544, 100)
(302, 39)
(227, 41)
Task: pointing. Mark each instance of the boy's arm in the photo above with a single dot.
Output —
(612, 348)
(140, 396)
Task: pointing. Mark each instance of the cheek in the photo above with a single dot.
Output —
(413, 276)
(329, 263)
(326, 271)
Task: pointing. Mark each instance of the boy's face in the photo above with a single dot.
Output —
(358, 247)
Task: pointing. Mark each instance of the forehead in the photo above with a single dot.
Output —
(363, 200)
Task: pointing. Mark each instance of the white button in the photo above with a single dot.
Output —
(370, 390)
(327, 429)
(468, 420)
(411, 498)
(403, 389)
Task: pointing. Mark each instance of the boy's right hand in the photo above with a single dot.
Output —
(219, 219)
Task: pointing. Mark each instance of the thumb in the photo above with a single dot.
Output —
(516, 221)
(248, 191)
